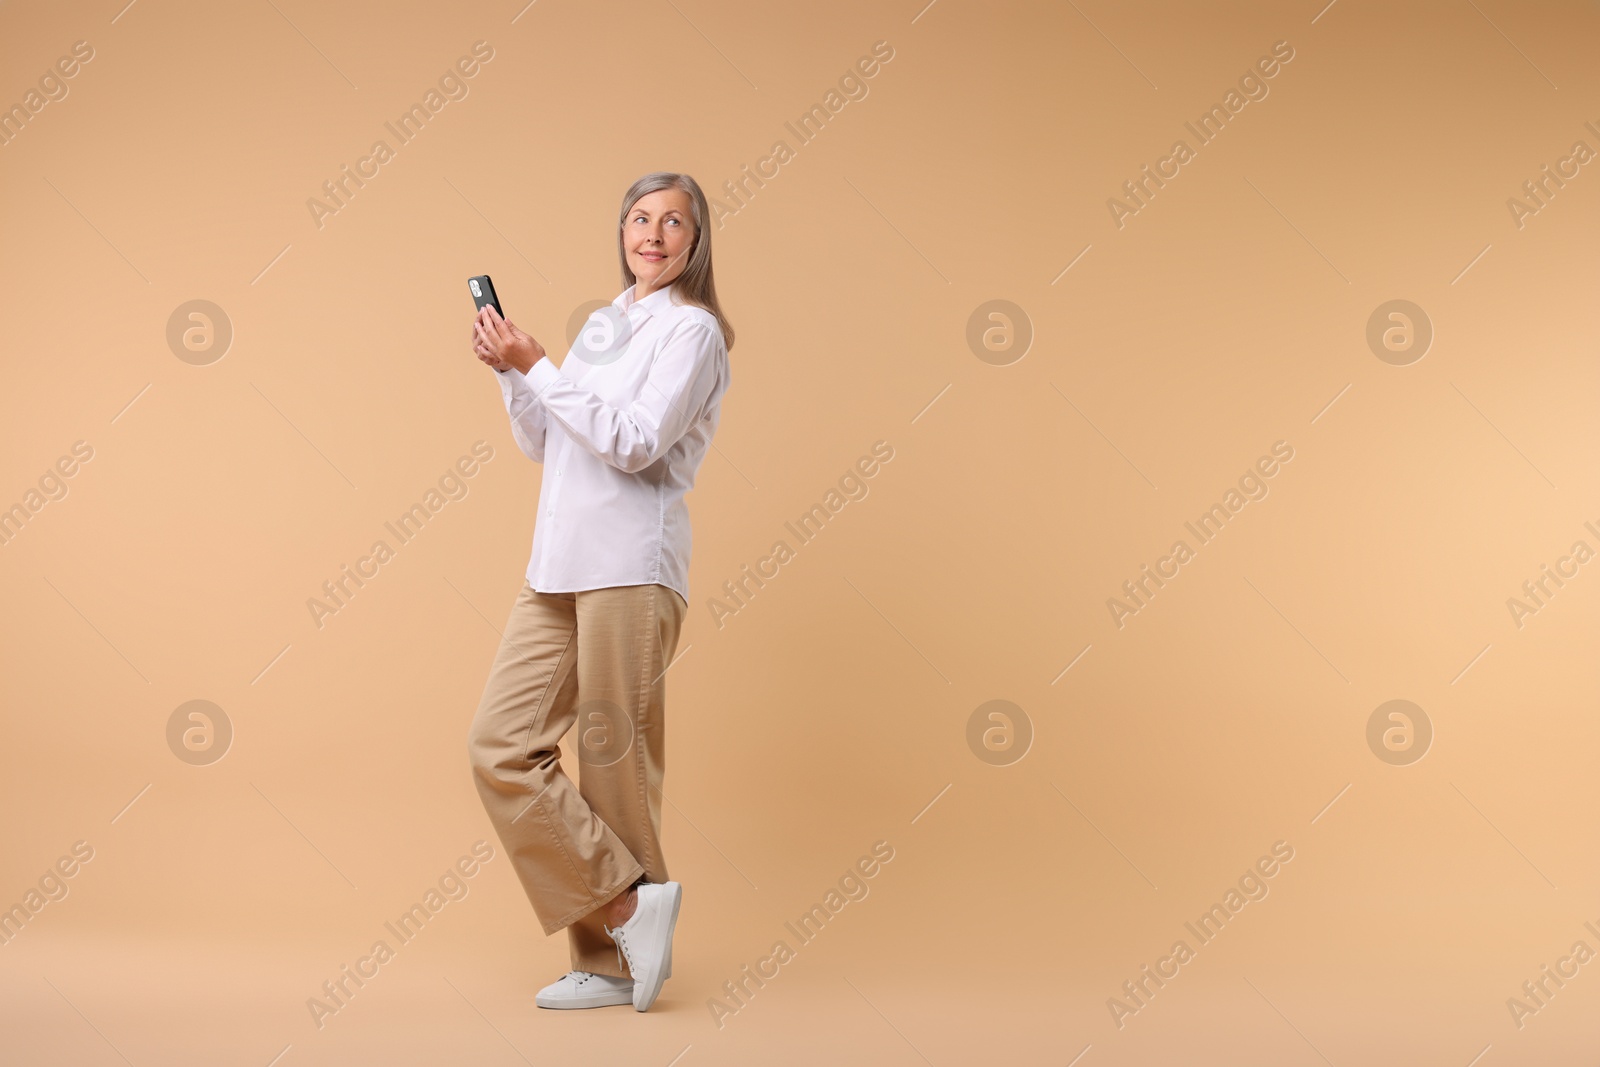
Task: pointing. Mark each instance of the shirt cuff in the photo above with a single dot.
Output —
(508, 382)
(516, 392)
(542, 374)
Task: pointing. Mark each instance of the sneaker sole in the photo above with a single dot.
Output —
(653, 989)
(592, 1001)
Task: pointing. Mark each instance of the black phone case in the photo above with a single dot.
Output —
(482, 290)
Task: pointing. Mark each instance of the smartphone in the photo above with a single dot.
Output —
(483, 293)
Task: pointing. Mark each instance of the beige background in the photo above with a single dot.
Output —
(832, 711)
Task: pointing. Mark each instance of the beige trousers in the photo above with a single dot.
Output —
(596, 659)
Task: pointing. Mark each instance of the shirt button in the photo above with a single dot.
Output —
(548, 512)
(558, 473)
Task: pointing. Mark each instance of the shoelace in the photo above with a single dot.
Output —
(621, 941)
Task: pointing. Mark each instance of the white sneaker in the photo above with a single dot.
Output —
(646, 939)
(580, 989)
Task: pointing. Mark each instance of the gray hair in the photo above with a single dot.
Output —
(696, 284)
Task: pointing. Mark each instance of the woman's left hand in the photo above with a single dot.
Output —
(501, 342)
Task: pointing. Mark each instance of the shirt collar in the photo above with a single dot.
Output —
(650, 305)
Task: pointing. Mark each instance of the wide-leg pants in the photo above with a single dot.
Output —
(598, 659)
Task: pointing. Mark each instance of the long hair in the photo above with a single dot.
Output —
(695, 285)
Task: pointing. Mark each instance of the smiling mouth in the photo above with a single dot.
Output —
(654, 257)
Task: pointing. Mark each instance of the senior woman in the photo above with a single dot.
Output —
(621, 427)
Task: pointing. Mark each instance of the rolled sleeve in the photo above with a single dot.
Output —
(680, 381)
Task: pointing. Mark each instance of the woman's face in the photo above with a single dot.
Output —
(657, 236)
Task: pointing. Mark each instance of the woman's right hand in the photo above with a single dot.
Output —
(501, 340)
(483, 353)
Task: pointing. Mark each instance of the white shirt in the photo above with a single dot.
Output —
(621, 427)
